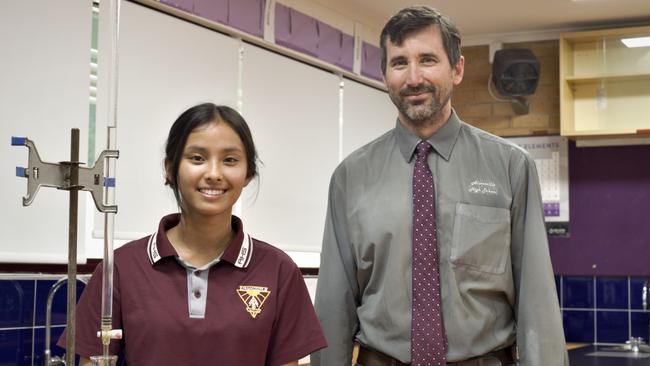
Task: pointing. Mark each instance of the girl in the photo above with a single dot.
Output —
(200, 291)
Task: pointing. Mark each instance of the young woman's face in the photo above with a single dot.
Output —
(212, 171)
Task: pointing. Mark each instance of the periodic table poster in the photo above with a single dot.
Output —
(551, 159)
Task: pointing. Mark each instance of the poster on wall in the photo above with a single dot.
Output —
(552, 161)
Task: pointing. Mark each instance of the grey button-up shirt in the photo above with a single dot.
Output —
(496, 278)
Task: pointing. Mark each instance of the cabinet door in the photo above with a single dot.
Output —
(604, 82)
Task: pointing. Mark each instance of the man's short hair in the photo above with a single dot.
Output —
(416, 18)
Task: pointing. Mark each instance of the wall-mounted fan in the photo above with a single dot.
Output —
(515, 74)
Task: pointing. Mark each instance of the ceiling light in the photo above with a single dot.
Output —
(636, 42)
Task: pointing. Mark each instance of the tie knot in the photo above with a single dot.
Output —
(422, 149)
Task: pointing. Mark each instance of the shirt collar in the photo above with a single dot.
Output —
(442, 141)
(239, 252)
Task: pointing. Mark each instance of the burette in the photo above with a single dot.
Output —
(106, 332)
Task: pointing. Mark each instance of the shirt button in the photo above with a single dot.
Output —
(197, 273)
(197, 294)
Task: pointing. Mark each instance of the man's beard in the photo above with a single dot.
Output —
(422, 113)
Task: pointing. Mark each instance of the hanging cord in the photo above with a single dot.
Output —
(489, 86)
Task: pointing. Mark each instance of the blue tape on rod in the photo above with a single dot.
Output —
(20, 172)
(18, 141)
(109, 182)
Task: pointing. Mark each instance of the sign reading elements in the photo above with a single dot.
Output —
(552, 161)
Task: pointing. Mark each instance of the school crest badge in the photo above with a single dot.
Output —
(253, 298)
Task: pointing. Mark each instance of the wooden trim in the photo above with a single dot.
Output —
(235, 33)
(609, 32)
(87, 268)
(309, 271)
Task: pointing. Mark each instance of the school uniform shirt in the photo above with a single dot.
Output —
(248, 307)
(496, 278)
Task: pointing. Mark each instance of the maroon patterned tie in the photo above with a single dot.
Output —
(428, 341)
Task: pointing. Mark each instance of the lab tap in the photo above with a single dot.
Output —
(50, 360)
(644, 296)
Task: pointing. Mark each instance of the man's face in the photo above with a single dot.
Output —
(420, 79)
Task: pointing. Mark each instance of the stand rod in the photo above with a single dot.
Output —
(72, 247)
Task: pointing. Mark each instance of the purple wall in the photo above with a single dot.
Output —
(335, 46)
(185, 5)
(293, 29)
(308, 35)
(371, 62)
(245, 15)
(215, 10)
(609, 197)
(296, 30)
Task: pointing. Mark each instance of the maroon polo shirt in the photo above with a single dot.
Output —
(258, 310)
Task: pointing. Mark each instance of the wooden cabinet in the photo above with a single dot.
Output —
(604, 84)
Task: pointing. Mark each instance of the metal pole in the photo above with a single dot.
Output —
(72, 247)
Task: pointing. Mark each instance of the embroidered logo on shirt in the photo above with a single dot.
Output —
(253, 297)
(479, 187)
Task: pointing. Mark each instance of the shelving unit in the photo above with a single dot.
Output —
(604, 85)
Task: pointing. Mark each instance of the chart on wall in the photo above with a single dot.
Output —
(551, 160)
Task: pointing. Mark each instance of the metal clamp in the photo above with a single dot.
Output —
(39, 173)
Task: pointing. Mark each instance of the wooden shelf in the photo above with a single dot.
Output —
(604, 85)
(599, 133)
(611, 77)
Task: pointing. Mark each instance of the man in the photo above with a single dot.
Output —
(435, 215)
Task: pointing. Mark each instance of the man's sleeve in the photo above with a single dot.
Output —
(540, 335)
(337, 289)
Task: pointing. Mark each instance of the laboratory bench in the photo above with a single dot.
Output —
(583, 354)
(590, 355)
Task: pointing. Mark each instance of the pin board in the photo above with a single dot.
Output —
(610, 224)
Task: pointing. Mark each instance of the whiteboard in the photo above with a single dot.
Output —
(367, 114)
(166, 65)
(44, 92)
(292, 109)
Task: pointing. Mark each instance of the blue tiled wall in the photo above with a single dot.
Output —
(602, 309)
(22, 318)
(594, 310)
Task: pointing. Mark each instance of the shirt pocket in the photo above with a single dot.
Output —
(481, 238)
